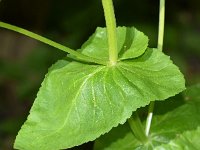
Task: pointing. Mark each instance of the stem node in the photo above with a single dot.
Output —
(160, 47)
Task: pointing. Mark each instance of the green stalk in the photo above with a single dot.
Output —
(160, 47)
(51, 43)
(134, 121)
(111, 30)
(137, 128)
(161, 24)
(149, 118)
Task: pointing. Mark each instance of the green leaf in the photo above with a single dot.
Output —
(172, 128)
(119, 138)
(189, 140)
(131, 43)
(78, 102)
(135, 44)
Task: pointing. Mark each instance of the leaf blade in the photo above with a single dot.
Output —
(187, 140)
(77, 99)
(131, 43)
(168, 131)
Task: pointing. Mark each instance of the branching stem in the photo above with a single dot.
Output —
(160, 47)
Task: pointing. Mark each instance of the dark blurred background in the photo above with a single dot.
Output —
(24, 62)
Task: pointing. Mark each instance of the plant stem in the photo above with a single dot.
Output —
(137, 128)
(160, 47)
(51, 43)
(111, 30)
(161, 24)
(149, 118)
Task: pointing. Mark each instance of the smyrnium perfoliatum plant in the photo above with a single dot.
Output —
(101, 87)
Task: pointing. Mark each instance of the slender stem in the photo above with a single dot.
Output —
(160, 47)
(161, 24)
(137, 128)
(51, 43)
(149, 118)
(111, 30)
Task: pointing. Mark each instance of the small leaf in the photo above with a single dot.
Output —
(171, 129)
(131, 43)
(79, 102)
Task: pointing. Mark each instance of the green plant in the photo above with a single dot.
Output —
(104, 84)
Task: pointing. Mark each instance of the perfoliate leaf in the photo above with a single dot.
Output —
(172, 130)
(78, 102)
(189, 140)
(131, 43)
(135, 44)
